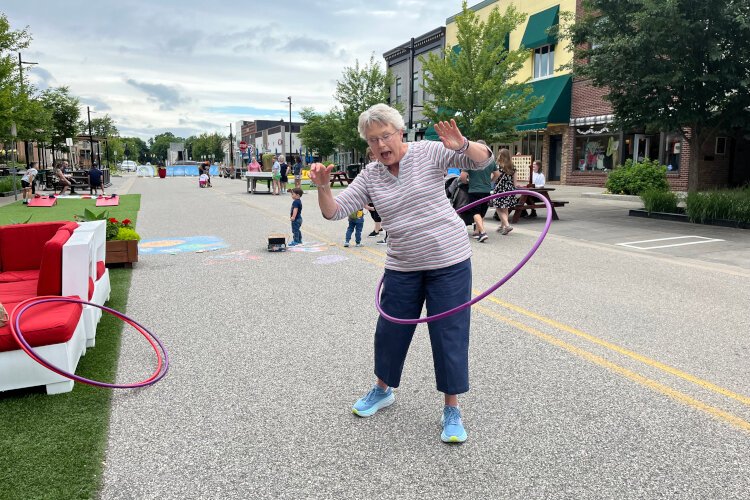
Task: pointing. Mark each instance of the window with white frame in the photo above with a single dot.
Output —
(414, 87)
(544, 61)
(398, 89)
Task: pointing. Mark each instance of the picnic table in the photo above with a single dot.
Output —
(526, 202)
(341, 177)
(254, 177)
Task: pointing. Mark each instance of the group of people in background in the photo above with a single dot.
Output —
(280, 173)
(63, 179)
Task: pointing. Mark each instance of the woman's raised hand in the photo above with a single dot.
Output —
(320, 174)
(450, 135)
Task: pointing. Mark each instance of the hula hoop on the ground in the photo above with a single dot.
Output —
(15, 329)
(491, 289)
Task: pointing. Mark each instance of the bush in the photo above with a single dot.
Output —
(655, 200)
(6, 184)
(727, 204)
(636, 178)
(127, 234)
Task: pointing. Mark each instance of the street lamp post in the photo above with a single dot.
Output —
(20, 78)
(289, 99)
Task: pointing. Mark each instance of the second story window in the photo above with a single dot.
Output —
(414, 88)
(398, 89)
(544, 61)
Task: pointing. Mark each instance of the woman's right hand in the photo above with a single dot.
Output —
(320, 174)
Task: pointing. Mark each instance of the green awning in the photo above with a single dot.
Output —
(557, 93)
(536, 34)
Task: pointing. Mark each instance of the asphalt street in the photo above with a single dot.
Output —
(600, 370)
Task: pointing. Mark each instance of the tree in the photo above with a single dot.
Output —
(473, 83)
(669, 65)
(135, 148)
(359, 89)
(65, 112)
(12, 99)
(319, 132)
(159, 145)
(100, 126)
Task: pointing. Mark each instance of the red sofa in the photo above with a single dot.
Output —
(31, 264)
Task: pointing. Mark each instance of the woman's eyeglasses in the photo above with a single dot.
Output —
(374, 141)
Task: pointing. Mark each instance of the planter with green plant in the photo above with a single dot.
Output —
(122, 242)
(122, 239)
(636, 178)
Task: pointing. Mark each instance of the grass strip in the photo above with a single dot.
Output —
(53, 446)
(66, 208)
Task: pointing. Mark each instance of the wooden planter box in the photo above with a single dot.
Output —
(122, 252)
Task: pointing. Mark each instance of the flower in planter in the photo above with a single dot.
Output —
(121, 230)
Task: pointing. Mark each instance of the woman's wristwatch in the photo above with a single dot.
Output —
(463, 148)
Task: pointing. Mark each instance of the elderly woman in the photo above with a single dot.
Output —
(428, 253)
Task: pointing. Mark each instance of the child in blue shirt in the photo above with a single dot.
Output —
(356, 221)
(295, 216)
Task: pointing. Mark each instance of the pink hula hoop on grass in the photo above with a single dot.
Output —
(491, 289)
(15, 329)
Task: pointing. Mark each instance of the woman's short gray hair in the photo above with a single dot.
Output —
(380, 113)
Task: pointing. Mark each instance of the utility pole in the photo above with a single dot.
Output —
(231, 147)
(20, 79)
(411, 84)
(291, 151)
(91, 135)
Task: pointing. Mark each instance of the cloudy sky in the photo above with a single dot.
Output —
(191, 66)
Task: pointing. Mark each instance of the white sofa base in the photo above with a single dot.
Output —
(18, 370)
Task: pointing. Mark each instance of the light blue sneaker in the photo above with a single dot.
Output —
(453, 428)
(374, 400)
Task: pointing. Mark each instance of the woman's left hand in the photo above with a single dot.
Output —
(450, 135)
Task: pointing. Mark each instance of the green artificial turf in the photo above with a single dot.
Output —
(53, 446)
(66, 209)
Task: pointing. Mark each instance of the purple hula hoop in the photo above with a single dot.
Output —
(491, 289)
(73, 376)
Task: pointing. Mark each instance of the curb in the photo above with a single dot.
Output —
(684, 218)
(612, 197)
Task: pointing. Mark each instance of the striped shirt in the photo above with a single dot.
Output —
(424, 231)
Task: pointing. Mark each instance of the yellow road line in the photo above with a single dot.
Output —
(625, 352)
(629, 374)
(601, 361)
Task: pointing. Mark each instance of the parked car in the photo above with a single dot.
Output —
(129, 166)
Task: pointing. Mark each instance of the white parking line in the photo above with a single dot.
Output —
(701, 239)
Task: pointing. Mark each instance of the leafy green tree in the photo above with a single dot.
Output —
(319, 131)
(65, 112)
(359, 88)
(473, 82)
(12, 99)
(100, 126)
(159, 145)
(669, 65)
(206, 145)
(135, 148)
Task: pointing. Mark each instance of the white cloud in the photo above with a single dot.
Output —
(176, 64)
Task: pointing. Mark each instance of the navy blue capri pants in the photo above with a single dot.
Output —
(404, 294)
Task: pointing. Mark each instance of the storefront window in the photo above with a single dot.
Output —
(672, 151)
(596, 149)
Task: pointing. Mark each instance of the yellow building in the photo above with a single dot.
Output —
(545, 130)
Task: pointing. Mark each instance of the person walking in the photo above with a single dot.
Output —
(356, 221)
(428, 257)
(297, 173)
(276, 176)
(480, 186)
(506, 182)
(283, 178)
